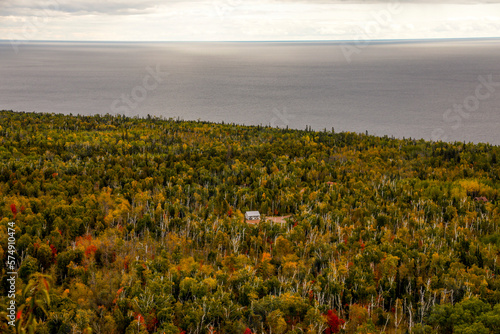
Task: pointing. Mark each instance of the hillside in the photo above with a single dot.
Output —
(127, 225)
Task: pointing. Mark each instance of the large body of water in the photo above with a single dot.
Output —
(431, 90)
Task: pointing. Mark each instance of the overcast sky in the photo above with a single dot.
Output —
(209, 20)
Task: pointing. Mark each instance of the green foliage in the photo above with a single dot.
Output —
(28, 267)
(469, 316)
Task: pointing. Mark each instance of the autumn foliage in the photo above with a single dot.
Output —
(129, 225)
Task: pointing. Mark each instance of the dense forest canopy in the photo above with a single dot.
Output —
(128, 225)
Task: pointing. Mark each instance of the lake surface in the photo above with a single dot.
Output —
(428, 90)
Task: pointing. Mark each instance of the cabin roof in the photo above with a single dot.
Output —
(252, 213)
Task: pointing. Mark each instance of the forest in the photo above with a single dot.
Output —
(136, 225)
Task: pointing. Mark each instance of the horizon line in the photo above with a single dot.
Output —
(262, 41)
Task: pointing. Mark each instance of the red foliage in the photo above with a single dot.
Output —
(54, 250)
(140, 318)
(230, 212)
(152, 324)
(19, 314)
(247, 331)
(86, 239)
(90, 249)
(125, 263)
(13, 209)
(334, 322)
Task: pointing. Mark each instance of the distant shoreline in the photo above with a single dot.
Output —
(223, 123)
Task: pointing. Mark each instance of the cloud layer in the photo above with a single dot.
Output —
(153, 20)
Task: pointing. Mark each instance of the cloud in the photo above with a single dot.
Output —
(79, 7)
(154, 20)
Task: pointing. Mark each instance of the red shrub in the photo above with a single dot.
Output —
(334, 322)
(54, 250)
(13, 209)
(90, 249)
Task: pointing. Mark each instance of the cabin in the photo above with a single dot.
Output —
(252, 215)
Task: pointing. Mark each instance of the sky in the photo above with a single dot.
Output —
(246, 20)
